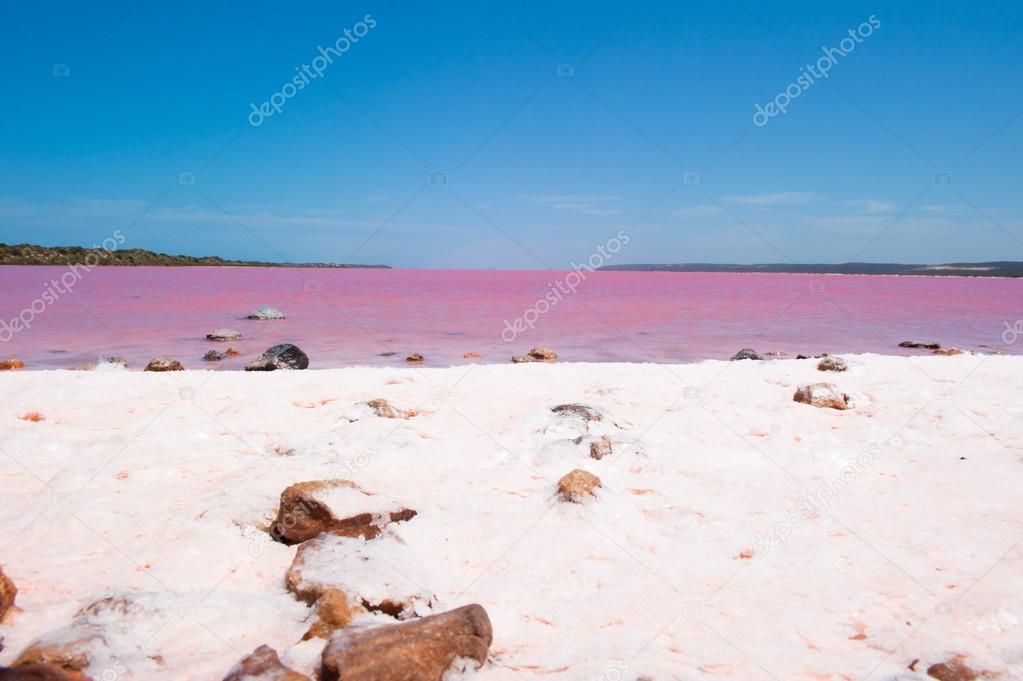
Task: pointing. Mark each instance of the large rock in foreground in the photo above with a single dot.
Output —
(282, 356)
(262, 664)
(40, 672)
(337, 506)
(823, 395)
(422, 650)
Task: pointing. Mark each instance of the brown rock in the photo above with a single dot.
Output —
(262, 664)
(583, 411)
(232, 352)
(823, 395)
(421, 650)
(472, 355)
(302, 515)
(40, 672)
(67, 656)
(385, 409)
(7, 593)
(333, 613)
(537, 354)
(600, 448)
(577, 485)
(9, 364)
(829, 363)
(927, 345)
(33, 416)
(164, 364)
(415, 357)
(952, 670)
(947, 351)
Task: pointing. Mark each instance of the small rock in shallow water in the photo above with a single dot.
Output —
(266, 312)
(212, 356)
(832, 364)
(575, 486)
(947, 351)
(164, 364)
(927, 345)
(415, 357)
(538, 354)
(262, 664)
(9, 364)
(232, 352)
(600, 448)
(282, 356)
(472, 355)
(420, 650)
(224, 335)
(824, 395)
(746, 353)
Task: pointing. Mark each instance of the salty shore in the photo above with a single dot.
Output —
(737, 533)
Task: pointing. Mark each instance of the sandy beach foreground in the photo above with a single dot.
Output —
(737, 534)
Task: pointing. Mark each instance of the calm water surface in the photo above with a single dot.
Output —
(350, 317)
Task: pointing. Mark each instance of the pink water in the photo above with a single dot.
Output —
(350, 317)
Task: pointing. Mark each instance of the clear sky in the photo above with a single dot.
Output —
(516, 134)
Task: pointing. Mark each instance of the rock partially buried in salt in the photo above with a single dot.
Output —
(583, 411)
(40, 672)
(7, 594)
(264, 312)
(9, 364)
(575, 486)
(338, 506)
(927, 345)
(385, 409)
(164, 364)
(832, 364)
(364, 571)
(538, 354)
(282, 356)
(746, 353)
(224, 335)
(824, 395)
(600, 448)
(954, 669)
(422, 650)
(333, 612)
(262, 664)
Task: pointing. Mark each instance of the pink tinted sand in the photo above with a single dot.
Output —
(350, 317)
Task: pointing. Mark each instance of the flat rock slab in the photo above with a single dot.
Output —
(337, 506)
(421, 650)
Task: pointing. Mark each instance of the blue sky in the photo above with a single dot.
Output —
(555, 125)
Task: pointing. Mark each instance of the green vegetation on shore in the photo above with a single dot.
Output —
(961, 269)
(29, 254)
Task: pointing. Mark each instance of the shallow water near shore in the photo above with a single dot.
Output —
(346, 317)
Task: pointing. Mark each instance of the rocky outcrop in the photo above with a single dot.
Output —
(264, 312)
(422, 650)
(164, 364)
(7, 594)
(577, 485)
(9, 364)
(332, 613)
(829, 363)
(538, 354)
(338, 506)
(746, 353)
(824, 395)
(281, 356)
(364, 572)
(224, 335)
(600, 448)
(262, 664)
(415, 358)
(927, 345)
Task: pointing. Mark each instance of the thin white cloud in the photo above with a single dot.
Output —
(594, 206)
(873, 206)
(776, 199)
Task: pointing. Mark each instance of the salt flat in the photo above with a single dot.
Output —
(737, 535)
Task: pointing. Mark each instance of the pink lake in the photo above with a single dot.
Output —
(346, 317)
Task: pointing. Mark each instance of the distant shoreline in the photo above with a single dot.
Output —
(30, 254)
(971, 269)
